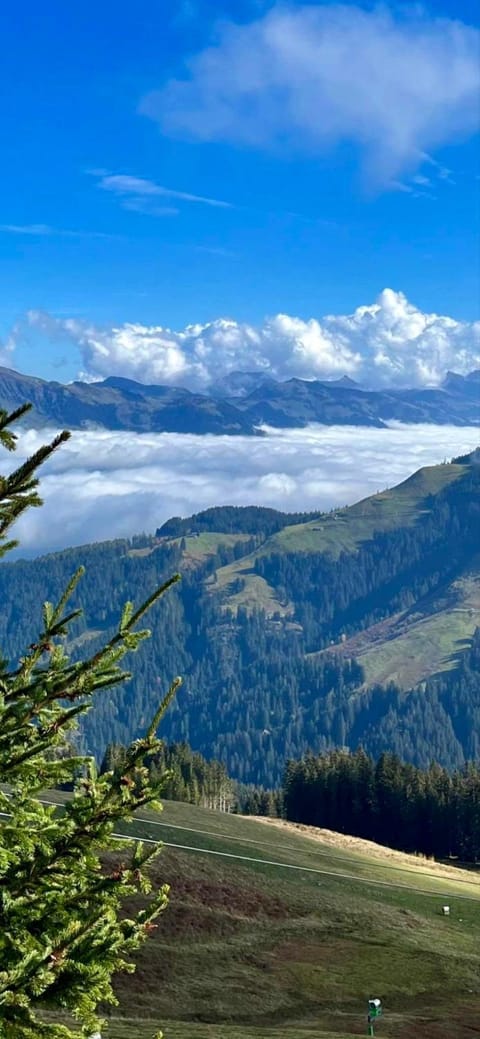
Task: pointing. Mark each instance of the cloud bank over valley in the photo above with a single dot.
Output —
(104, 485)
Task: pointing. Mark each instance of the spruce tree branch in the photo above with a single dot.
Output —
(152, 599)
(20, 479)
(163, 707)
(7, 438)
(60, 925)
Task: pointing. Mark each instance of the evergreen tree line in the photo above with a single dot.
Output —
(233, 519)
(184, 775)
(428, 811)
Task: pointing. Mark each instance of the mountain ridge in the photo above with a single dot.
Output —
(239, 404)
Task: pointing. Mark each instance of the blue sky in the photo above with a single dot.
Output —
(123, 130)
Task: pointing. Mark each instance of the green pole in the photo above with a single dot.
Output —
(374, 1011)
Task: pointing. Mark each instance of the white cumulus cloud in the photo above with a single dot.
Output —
(103, 485)
(396, 84)
(388, 343)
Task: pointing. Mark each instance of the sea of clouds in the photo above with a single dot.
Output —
(103, 485)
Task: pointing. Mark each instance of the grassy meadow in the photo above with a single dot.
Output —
(250, 947)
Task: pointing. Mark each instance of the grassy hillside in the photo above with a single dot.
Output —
(428, 642)
(340, 531)
(195, 547)
(408, 647)
(344, 529)
(285, 936)
(425, 640)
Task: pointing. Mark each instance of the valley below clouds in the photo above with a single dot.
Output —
(104, 485)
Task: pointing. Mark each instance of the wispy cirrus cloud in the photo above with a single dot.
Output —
(47, 231)
(395, 83)
(439, 170)
(430, 179)
(215, 250)
(143, 195)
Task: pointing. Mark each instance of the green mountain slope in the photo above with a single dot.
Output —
(284, 626)
(425, 640)
(272, 932)
(409, 646)
(342, 530)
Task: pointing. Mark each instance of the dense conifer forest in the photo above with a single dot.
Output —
(262, 686)
(431, 811)
(246, 519)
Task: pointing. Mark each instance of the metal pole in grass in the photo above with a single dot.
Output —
(374, 1012)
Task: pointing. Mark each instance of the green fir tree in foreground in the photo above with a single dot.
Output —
(62, 932)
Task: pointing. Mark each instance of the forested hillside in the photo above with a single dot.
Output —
(280, 624)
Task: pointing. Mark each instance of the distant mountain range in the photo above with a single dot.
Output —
(238, 404)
